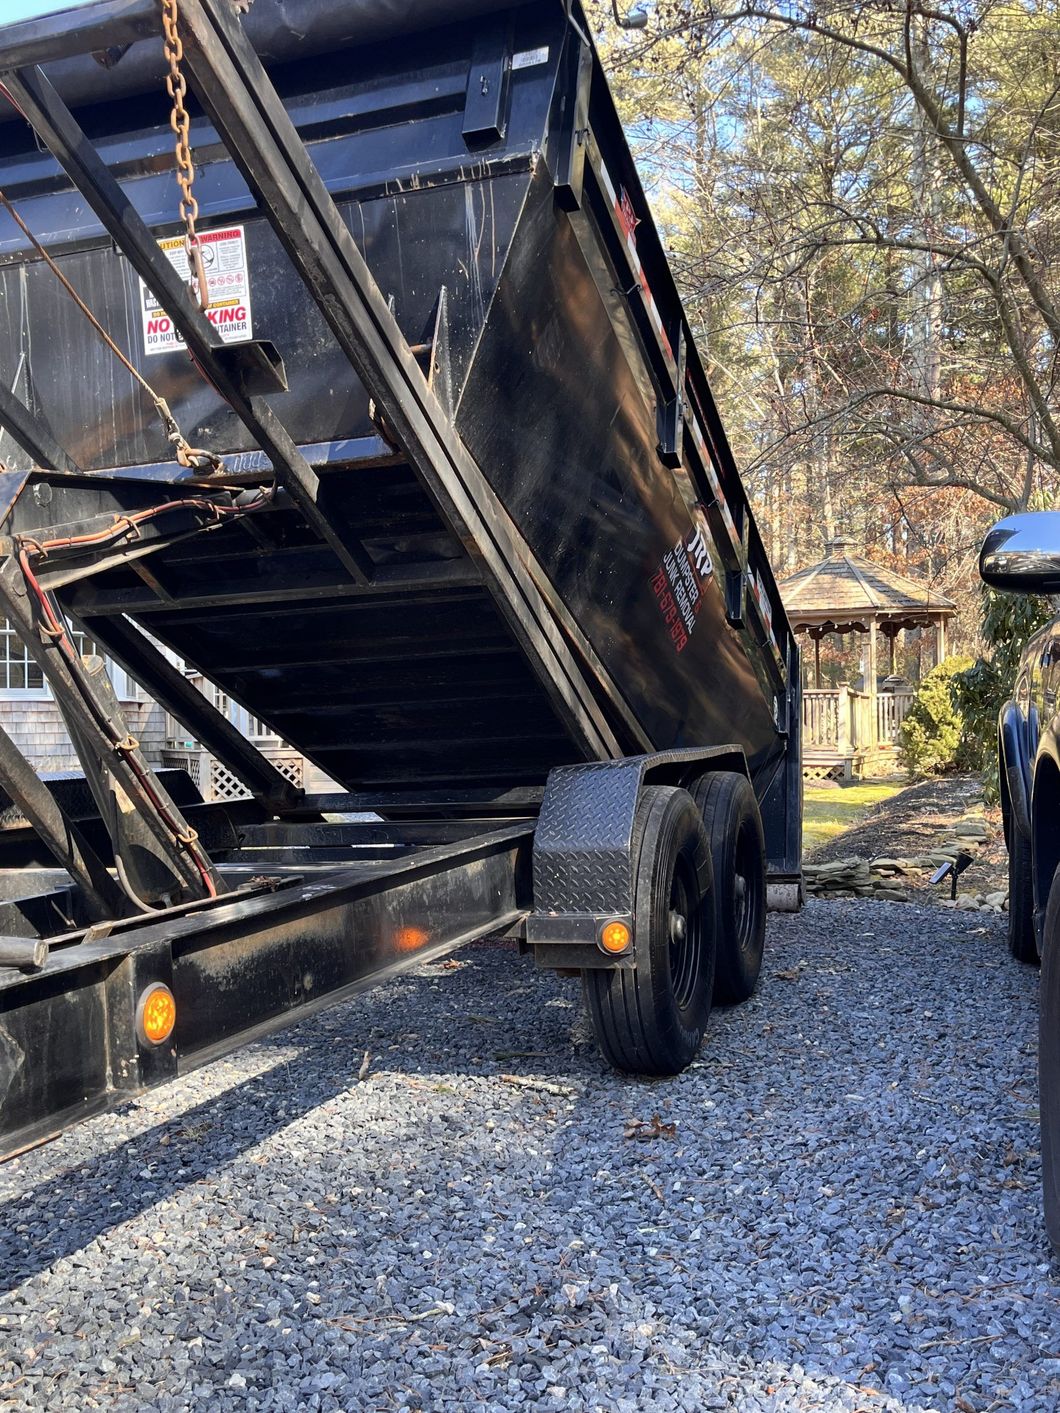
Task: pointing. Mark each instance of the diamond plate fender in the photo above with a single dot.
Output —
(582, 860)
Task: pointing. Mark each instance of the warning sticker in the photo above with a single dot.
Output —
(224, 258)
(529, 58)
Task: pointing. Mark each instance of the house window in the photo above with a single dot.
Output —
(19, 674)
(18, 671)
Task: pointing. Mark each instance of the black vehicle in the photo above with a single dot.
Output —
(1022, 554)
(413, 455)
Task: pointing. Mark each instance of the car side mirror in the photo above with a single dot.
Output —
(1022, 553)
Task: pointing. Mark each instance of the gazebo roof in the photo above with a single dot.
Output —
(845, 592)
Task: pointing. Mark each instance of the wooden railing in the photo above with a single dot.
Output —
(841, 719)
(891, 710)
(820, 718)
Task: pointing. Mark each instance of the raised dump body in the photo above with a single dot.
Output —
(500, 531)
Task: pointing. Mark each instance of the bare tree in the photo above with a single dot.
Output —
(886, 254)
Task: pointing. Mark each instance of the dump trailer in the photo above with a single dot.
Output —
(340, 361)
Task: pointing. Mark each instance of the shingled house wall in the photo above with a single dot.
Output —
(36, 726)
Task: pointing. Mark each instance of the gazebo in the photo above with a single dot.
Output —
(845, 729)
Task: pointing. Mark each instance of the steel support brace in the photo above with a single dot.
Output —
(88, 601)
(31, 434)
(131, 800)
(101, 895)
(172, 690)
(239, 97)
(71, 32)
(58, 129)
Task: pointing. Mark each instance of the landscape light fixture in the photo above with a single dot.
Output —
(952, 871)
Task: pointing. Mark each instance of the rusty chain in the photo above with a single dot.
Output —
(180, 123)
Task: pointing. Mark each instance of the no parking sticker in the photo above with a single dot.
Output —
(224, 257)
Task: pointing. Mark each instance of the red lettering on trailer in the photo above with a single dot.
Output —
(669, 609)
(628, 218)
(158, 326)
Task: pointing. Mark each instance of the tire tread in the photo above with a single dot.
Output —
(634, 1014)
(727, 801)
(1022, 937)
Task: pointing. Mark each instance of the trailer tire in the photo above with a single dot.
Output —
(733, 823)
(1049, 1064)
(650, 1019)
(1022, 937)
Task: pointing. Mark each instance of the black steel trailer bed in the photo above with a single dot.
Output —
(502, 583)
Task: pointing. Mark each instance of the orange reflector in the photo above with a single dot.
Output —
(156, 1014)
(411, 939)
(615, 937)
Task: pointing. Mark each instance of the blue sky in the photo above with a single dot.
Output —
(11, 10)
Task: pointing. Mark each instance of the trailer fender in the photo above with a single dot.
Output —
(584, 850)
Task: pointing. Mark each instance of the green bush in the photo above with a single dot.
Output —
(930, 738)
(1008, 620)
(977, 694)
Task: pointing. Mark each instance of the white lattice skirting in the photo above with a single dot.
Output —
(216, 782)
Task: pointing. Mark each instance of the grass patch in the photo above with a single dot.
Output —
(827, 811)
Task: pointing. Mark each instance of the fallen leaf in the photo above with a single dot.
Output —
(646, 1129)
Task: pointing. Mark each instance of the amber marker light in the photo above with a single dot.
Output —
(156, 1015)
(615, 937)
(411, 939)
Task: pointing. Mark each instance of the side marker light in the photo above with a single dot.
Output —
(615, 937)
(156, 1015)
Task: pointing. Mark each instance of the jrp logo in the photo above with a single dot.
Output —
(700, 554)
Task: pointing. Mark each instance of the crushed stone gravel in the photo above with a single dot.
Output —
(837, 1209)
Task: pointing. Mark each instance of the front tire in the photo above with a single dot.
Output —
(650, 1019)
(1049, 1064)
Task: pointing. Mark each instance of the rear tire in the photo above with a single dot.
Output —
(733, 823)
(1022, 938)
(650, 1019)
(1049, 1064)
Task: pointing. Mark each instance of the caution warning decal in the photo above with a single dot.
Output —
(224, 258)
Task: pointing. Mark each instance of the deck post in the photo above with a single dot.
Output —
(871, 687)
(843, 742)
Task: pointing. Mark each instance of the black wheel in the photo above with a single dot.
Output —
(738, 852)
(1022, 942)
(1049, 1064)
(650, 1019)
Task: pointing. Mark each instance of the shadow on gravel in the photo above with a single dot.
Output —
(57, 1220)
(63, 1214)
(843, 1187)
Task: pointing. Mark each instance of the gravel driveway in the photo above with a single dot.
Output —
(837, 1207)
